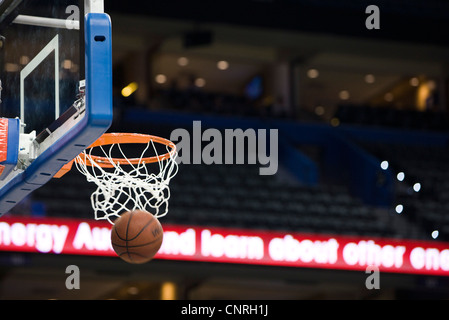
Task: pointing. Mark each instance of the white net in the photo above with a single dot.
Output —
(133, 184)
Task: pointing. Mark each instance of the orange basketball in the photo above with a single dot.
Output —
(136, 236)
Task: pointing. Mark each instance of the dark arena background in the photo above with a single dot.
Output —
(357, 207)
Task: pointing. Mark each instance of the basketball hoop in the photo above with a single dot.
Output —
(129, 183)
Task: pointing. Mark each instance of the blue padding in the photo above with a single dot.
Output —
(300, 165)
(97, 119)
(12, 152)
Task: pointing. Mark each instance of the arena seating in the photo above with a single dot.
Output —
(237, 196)
(393, 118)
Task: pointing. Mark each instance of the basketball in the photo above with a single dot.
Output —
(136, 236)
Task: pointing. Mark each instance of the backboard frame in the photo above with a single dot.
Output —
(65, 146)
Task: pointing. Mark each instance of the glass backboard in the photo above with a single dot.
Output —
(56, 79)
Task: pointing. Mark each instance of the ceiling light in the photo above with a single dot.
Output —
(222, 65)
(183, 61)
(414, 82)
(313, 73)
(200, 82)
(369, 78)
(161, 78)
(319, 110)
(344, 95)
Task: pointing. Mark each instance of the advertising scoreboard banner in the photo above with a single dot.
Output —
(228, 245)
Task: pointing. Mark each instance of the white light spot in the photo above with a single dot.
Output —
(417, 187)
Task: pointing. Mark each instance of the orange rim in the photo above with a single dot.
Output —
(119, 138)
